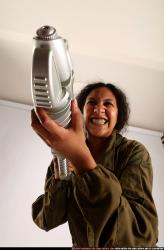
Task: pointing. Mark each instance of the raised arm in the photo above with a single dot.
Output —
(119, 211)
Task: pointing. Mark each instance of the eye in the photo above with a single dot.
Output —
(91, 102)
(108, 104)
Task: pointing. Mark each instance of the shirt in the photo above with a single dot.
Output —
(109, 206)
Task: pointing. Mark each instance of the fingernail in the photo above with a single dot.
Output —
(75, 103)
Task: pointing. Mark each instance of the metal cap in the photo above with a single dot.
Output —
(46, 33)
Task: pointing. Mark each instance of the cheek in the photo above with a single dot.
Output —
(86, 113)
(114, 114)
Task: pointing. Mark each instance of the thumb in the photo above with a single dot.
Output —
(77, 121)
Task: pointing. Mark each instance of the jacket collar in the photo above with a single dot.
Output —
(107, 159)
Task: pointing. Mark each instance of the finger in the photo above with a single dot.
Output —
(77, 121)
(50, 125)
(39, 129)
(34, 118)
(35, 123)
(56, 168)
(41, 112)
(47, 141)
(70, 167)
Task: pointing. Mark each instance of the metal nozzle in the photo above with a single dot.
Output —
(46, 33)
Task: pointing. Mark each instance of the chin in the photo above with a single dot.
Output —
(99, 134)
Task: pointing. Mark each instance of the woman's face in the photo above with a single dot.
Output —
(100, 112)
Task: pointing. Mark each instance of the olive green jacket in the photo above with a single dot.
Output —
(109, 206)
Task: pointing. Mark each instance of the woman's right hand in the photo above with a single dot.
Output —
(37, 127)
(69, 142)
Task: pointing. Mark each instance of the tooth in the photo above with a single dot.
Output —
(98, 121)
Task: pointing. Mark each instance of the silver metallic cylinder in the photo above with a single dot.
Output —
(52, 80)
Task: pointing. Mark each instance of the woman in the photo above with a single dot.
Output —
(107, 199)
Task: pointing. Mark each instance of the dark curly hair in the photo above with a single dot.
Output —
(122, 104)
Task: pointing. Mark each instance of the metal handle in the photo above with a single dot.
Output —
(63, 165)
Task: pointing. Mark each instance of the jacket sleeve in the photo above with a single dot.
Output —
(50, 209)
(124, 213)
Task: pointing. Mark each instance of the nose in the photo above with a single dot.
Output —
(99, 109)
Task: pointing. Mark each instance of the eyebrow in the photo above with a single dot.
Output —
(108, 99)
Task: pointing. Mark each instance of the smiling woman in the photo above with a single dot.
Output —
(110, 182)
(103, 106)
(117, 94)
(100, 112)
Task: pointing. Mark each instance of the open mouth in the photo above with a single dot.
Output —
(99, 121)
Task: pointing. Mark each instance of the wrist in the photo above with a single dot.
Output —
(84, 162)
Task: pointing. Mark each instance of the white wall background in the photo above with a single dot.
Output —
(24, 159)
(118, 41)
